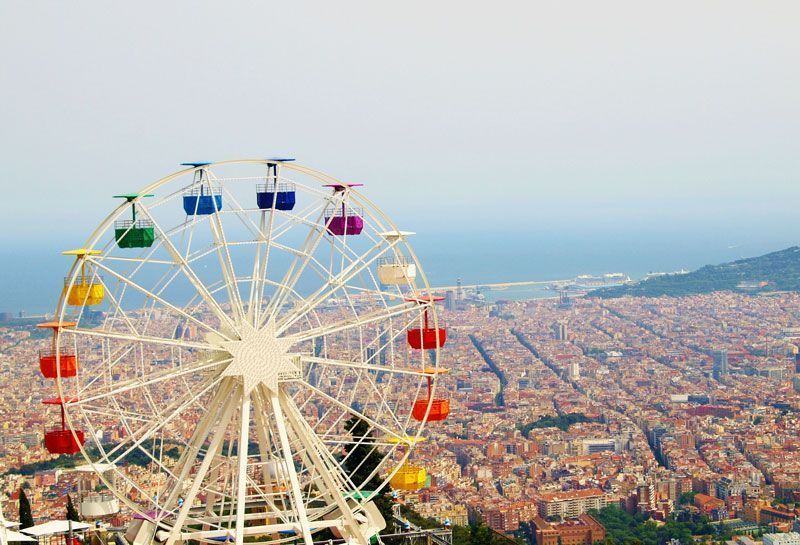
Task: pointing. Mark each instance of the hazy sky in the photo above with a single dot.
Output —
(519, 116)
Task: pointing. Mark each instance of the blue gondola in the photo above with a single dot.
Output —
(202, 199)
(280, 197)
(275, 194)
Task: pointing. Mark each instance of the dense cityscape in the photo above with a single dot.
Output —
(562, 411)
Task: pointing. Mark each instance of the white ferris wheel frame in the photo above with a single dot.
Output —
(288, 433)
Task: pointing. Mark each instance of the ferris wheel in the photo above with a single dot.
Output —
(235, 344)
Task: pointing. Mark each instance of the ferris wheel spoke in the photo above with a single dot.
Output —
(155, 378)
(334, 284)
(153, 296)
(118, 308)
(180, 260)
(255, 289)
(363, 366)
(226, 265)
(367, 292)
(352, 411)
(174, 411)
(363, 372)
(313, 263)
(301, 219)
(106, 334)
(112, 360)
(360, 321)
(293, 274)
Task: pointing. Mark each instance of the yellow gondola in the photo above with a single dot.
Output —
(409, 478)
(87, 289)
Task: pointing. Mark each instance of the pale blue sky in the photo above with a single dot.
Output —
(520, 116)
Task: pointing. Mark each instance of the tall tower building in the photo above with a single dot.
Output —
(574, 369)
(720, 363)
(561, 331)
(450, 300)
(383, 346)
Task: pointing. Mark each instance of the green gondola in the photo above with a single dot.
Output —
(134, 233)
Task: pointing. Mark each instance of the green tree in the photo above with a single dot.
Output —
(362, 459)
(687, 498)
(72, 513)
(480, 534)
(462, 535)
(25, 515)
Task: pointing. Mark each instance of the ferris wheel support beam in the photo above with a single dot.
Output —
(241, 479)
(189, 272)
(264, 450)
(296, 422)
(203, 428)
(297, 495)
(216, 442)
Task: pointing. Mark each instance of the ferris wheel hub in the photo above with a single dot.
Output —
(260, 357)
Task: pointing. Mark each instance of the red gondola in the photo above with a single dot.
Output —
(57, 360)
(426, 337)
(62, 440)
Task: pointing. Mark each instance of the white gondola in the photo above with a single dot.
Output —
(396, 269)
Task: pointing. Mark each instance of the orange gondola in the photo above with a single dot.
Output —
(439, 407)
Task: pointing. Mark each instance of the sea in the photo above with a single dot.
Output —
(32, 275)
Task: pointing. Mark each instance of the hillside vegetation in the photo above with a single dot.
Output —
(774, 271)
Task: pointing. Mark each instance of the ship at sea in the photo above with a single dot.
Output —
(591, 282)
